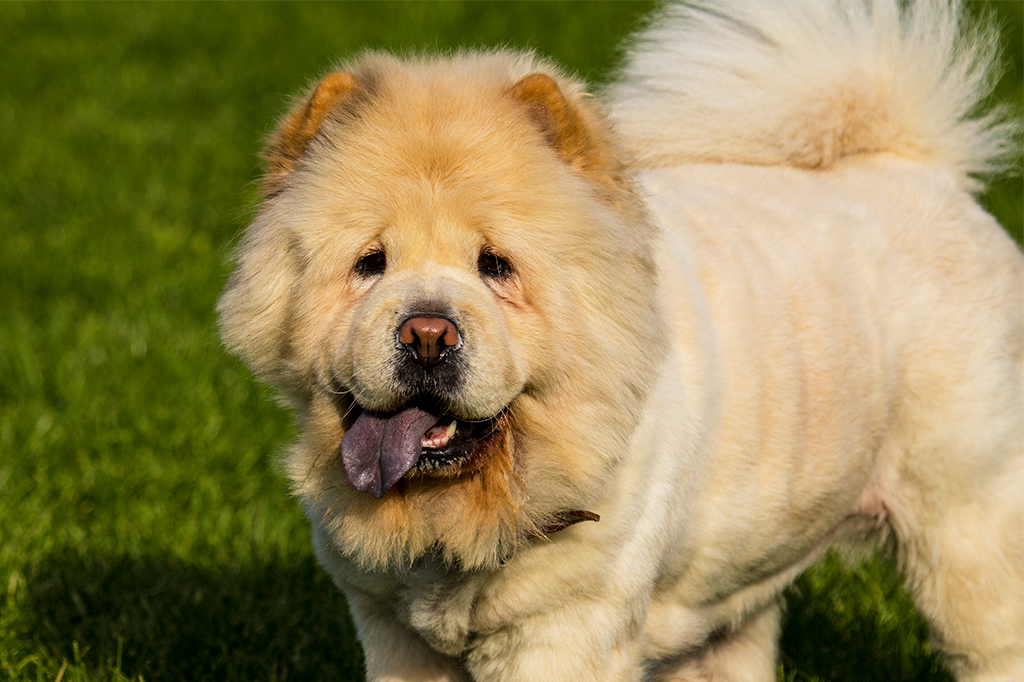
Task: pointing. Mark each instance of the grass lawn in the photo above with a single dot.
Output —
(145, 532)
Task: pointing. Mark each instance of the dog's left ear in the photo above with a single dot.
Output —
(573, 129)
(300, 125)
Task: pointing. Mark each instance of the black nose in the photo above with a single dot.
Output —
(428, 338)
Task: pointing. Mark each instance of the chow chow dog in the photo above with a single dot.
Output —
(583, 384)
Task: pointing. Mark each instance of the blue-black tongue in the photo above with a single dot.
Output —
(379, 449)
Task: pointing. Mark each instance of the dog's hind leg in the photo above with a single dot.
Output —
(748, 653)
(958, 515)
(966, 575)
(968, 581)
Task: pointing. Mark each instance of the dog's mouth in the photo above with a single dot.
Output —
(380, 449)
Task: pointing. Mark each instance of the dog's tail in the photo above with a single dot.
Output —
(807, 83)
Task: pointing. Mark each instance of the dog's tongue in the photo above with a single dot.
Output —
(379, 449)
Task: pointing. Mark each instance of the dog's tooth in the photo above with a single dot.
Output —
(441, 439)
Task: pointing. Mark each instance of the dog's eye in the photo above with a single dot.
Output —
(493, 266)
(371, 264)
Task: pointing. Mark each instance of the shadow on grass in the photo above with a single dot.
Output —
(287, 621)
(275, 621)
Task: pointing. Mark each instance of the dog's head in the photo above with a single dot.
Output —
(450, 278)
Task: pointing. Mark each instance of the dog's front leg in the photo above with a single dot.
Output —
(393, 651)
(579, 642)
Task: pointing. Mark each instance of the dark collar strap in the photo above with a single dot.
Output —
(561, 520)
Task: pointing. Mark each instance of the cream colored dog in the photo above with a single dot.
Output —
(755, 313)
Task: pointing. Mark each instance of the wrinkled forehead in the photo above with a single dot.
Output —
(438, 134)
(435, 155)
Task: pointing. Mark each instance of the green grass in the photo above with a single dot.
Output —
(145, 532)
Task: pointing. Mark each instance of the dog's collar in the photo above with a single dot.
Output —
(561, 520)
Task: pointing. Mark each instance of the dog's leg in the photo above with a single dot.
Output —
(393, 652)
(967, 574)
(748, 653)
(581, 642)
(958, 513)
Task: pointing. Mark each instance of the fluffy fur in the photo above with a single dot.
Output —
(807, 84)
(756, 313)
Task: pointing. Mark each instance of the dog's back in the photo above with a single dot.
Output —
(811, 165)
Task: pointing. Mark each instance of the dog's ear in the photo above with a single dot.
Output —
(300, 125)
(573, 129)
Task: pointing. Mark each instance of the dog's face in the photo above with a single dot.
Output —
(425, 322)
(448, 276)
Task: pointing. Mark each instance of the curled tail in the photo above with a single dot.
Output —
(807, 83)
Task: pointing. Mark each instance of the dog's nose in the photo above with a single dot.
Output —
(429, 338)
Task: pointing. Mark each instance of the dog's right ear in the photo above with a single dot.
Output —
(300, 125)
